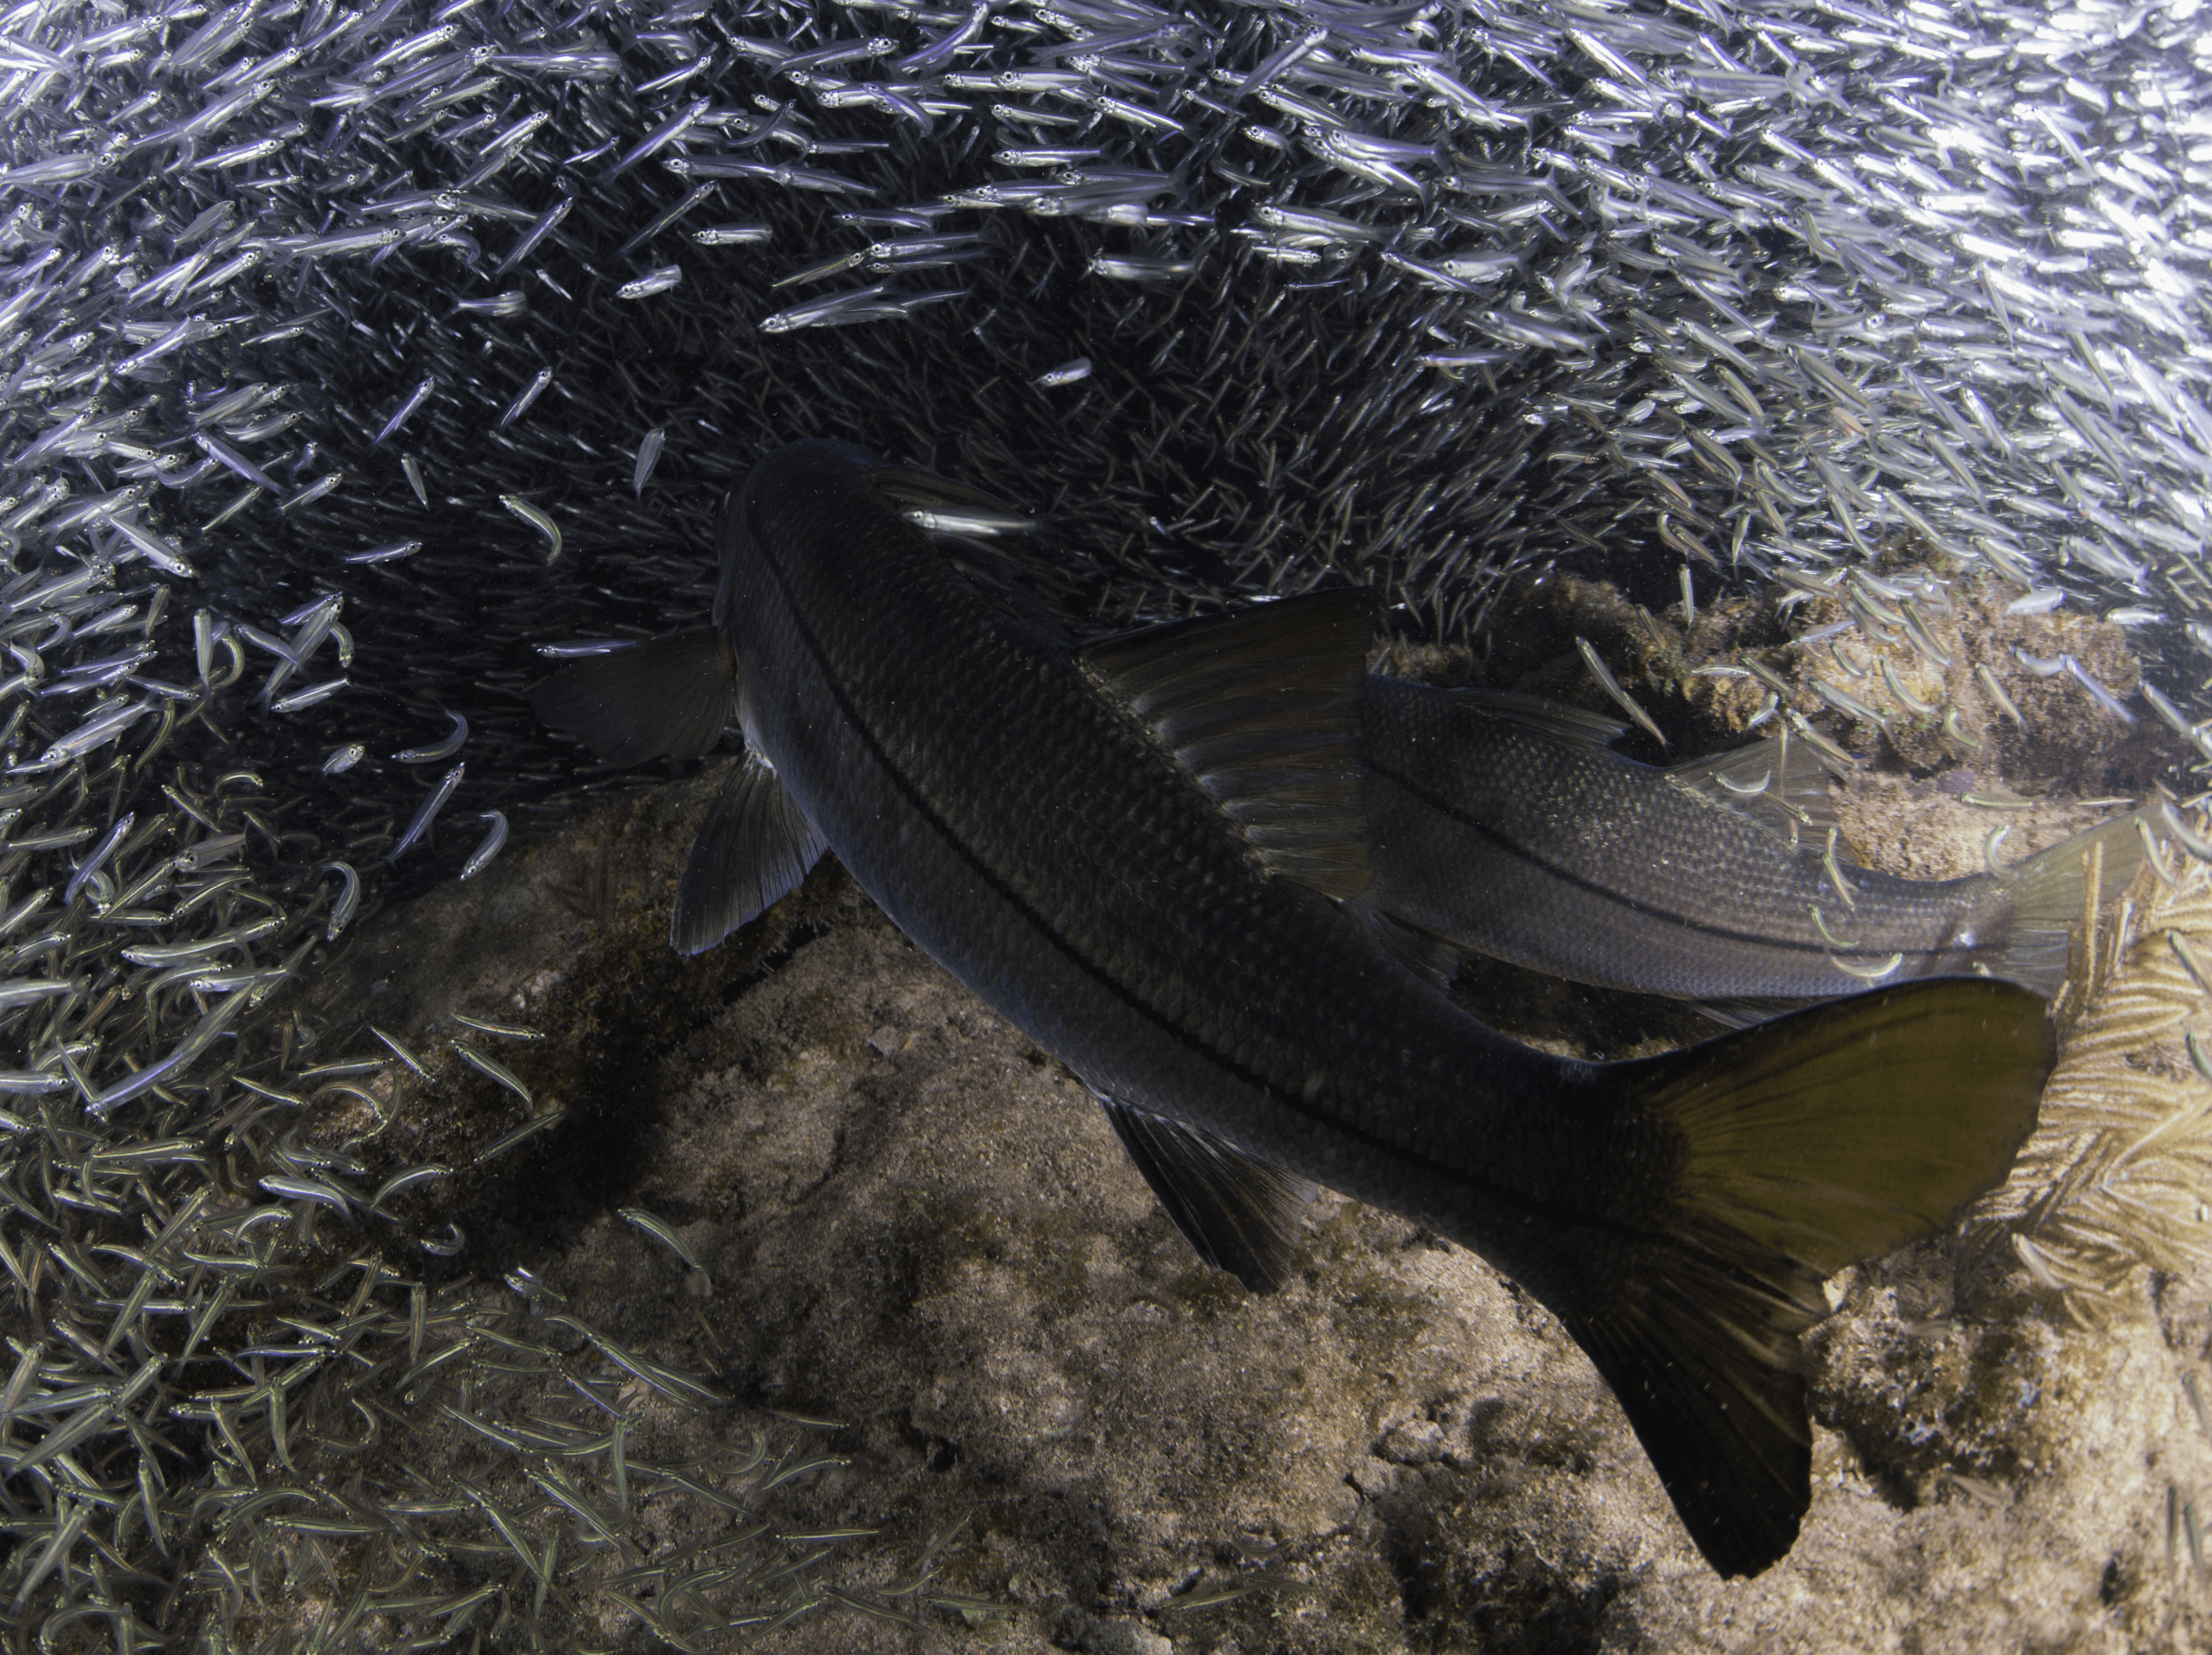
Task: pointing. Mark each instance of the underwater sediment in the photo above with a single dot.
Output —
(352, 355)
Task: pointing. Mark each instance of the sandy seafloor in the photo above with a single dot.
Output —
(913, 1223)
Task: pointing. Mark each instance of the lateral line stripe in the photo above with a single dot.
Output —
(1191, 1042)
(1530, 858)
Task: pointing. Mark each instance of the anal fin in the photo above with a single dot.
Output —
(1241, 1214)
(670, 698)
(754, 849)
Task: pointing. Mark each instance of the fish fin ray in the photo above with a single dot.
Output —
(754, 847)
(1741, 1011)
(2047, 893)
(1428, 956)
(1836, 1134)
(1725, 1428)
(1795, 777)
(1263, 708)
(1845, 1130)
(1798, 776)
(671, 698)
(1240, 1215)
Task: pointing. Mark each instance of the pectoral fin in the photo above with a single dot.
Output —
(753, 850)
(1241, 1214)
(1263, 708)
(670, 698)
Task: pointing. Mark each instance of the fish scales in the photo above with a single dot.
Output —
(1147, 927)
(925, 833)
(120, 146)
(1543, 847)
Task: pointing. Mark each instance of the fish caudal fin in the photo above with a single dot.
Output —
(2048, 892)
(670, 698)
(1830, 1136)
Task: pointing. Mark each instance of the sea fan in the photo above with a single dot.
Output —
(2118, 1175)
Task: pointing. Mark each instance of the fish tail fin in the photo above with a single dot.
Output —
(1798, 1146)
(2049, 891)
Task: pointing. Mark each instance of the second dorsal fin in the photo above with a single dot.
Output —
(1262, 706)
(1770, 781)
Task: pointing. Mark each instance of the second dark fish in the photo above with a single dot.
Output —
(1507, 827)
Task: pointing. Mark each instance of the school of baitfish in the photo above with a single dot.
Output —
(351, 354)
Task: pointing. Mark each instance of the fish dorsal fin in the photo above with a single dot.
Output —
(670, 698)
(1262, 706)
(752, 851)
(1569, 725)
(1241, 1214)
(1772, 781)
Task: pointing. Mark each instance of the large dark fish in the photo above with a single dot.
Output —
(1508, 827)
(1148, 855)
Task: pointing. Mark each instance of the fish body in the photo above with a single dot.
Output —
(1508, 828)
(1147, 854)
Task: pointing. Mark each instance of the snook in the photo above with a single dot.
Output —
(1509, 827)
(1149, 855)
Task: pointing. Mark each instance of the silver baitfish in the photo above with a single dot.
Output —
(1181, 923)
(1508, 827)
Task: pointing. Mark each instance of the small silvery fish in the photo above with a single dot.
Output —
(648, 456)
(1508, 827)
(529, 394)
(1183, 926)
(401, 415)
(492, 841)
(537, 520)
(445, 747)
(428, 812)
